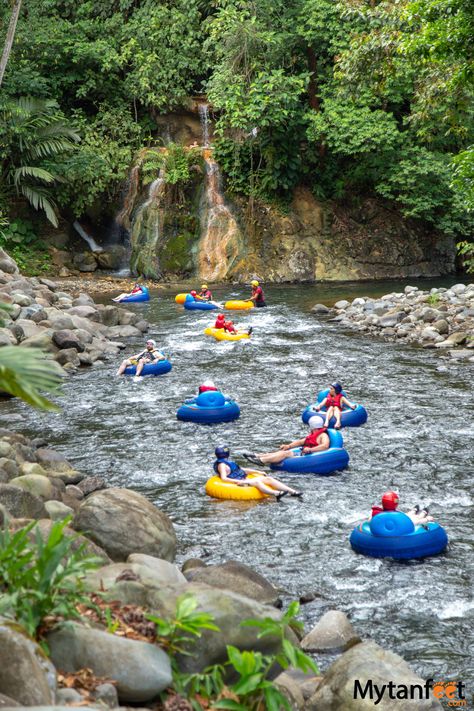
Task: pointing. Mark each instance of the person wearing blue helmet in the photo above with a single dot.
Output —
(334, 403)
(229, 470)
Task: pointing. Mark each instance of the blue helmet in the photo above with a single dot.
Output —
(337, 387)
(222, 452)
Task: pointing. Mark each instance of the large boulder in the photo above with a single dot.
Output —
(43, 340)
(68, 339)
(43, 528)
(37, 484)
(141, 670)
(123, 522)
(357, 672)
(85, 311)
(7, 264)
(26, 674)
(333, 632)
(228, 611)
(238, 578)
(144, 569)
(20, 503)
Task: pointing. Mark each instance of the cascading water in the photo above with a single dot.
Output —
(94, 247)
(147, 229)
(219, 246)
(204, 118)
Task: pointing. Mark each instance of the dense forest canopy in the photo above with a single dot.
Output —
(350, 98)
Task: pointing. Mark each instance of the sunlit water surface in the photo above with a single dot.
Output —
(418, 440)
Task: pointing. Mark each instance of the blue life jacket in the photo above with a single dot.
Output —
(235, 471)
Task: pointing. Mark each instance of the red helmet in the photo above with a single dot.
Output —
(220, 317)
(193, 293)
(390, 501)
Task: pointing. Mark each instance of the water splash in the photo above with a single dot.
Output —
(94, 247)
(219, 246)
(147, 229)
(204, 118)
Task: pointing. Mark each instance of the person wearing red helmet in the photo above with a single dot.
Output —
(316, 441)
(137, 289)
(390, 501)
(334, 403)
(228, 326)
(220, 321)
(207, 386)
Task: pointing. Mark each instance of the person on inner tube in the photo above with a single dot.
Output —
(205, 293)
(316, 441)
(149, 355)
(390, 501)
(230, 471)
(229, 326)
(137, 289)
(257, 294)
(334, 403)
(207, 386)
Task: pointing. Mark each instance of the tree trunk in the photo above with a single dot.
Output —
(313, 86)
(10, 37)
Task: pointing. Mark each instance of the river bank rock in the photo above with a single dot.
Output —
(440, 318)
(332, 633)
(141, 670)
(364, 663)
(122, 522)
(43, 316)
(26, 674)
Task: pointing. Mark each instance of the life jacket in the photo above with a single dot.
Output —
(136, 290)
(206, 388)
(206, 295)
(149, 355)
(334, 401)
(229, 326)
(376, 509)
(219, 323)
(235, 471)
(312, 439)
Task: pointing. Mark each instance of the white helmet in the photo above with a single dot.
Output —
(153, 343)
(315, 422)
(209, 384)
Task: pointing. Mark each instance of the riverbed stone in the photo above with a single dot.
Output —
(122, 522)
(333, 632)
(68, 356)
(341, 304)
(441, 325)
(7, 264)
(66, 339)
(367, 662)
(106, 695)
(123, 332)
(26, 674)
(238, 578)
(147, 570)
(9, 469)
(57, 510)
(21, 299)
(320, 309)
(92, 483)
(43, 528)
(85, 311)
(7, 338)
(21, 503)
(43, 340)
(36, 484)
(141, 670)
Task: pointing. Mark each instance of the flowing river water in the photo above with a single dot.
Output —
(418, 440)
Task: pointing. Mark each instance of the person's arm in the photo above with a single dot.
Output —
(292, 445)
(321, 404)
(221, 468)
(159, 355)
(325, 442)
(345, 401)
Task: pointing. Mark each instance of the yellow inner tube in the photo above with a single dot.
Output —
(219, 489)
(220, 335)
(238, 305)
(180, 298)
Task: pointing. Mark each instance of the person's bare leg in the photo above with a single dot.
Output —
(337, 415)
(140, 366)
(124, 364)
(275, 457)
(277, 484)
(329, 414)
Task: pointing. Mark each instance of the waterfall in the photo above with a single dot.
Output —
(204, 118)
(90, 240)
(219, 246)
(123, 217)
(147, 230)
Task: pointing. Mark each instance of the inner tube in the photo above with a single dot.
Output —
(330, 460)
(181, 298)
(219, 489)
(144, 295)
(220, 335)
(209, 408)
(349, 418)
(394, 535)
(238, 305)
(159, 368)
(199, 305)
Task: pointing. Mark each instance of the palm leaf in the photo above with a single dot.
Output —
(40, 201)
(27, 372)
(34, 172)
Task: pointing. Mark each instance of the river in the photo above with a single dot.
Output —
(418, 440)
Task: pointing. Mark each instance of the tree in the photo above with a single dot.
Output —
(10, 37)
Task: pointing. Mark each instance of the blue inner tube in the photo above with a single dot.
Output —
(135, 298)
(333, 459)
(159, 368)
(349, 418)
(209, 408)
(394, 535)
(198, 305)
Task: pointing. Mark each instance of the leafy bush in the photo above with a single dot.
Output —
(39, 579)
(22, 243)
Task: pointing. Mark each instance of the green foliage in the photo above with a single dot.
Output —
(466, 251)
(21, 241)
(40, 578)
(27, 373)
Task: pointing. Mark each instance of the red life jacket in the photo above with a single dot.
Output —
(334, 401)
(229, 326)
(376, 509)
(205, 294)
(206, 388)
(219, 323)
(258, 292)
(312, 439)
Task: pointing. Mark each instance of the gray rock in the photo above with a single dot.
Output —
(192, 563)
(43, 528)
(458, 289)
(358, 301)
(462, 354)
(43, 340)
(391, 319)
(141, 670)
(111, 515)
(29, 467)
(430, 334)
(161, 570)
(367, 662)
(36, 484)
(57, 510)
(5, 517)
(7, 337)
(332, 633)
(123, 332)
(110, 315)
(91, 484)
(6, 450)
(142, 326)
(26, 674)
(69, 697)
(7, 702)
(7, 264)
(68, 356)
(291, 689)
(410, 289)
(106, 694)
(320, 309)
(429, 315)
(74, 491)
(28, 328)
(85, 311)
(238, 578)
(128, 318)
(441, 325)
(21, 299)
(151, 575)
(68, 339)
(342, 304)
(20, 503)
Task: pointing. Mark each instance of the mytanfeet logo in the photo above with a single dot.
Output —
(452, 693)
